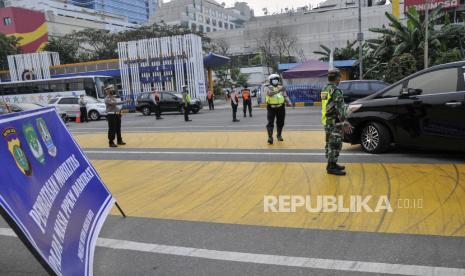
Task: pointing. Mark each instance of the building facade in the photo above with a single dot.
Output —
(137, 11)
(29, 25)
(331, 27)
(202, 15)
(63, 18)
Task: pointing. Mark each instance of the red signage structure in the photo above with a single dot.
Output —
(421, 4)
(29, 25)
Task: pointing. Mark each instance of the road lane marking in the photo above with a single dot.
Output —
(226, 139)
(221, 153)
(190, 127)
(265, 259)
(233, 192)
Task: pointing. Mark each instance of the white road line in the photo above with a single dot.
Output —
(221, 153)
(265, 259)
(190, 127)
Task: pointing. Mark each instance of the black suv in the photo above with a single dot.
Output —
(170, 102)
(426, 109)
(357, 89)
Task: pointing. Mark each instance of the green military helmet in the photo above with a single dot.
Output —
(334, 73)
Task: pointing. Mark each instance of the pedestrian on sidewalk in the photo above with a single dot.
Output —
(247, 101)
(186, 100)
(156, 97)
(234, 102)
(113, 117)
(211, 98)
(83, 109)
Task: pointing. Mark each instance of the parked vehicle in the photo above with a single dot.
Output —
(358, 89)
(41, 91)
(426, 109)
(70, 106)
(19, 107)
(170, 102)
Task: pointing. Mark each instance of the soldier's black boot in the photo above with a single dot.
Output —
(340, 167)
(279, 136)
(270, 136)
(332, 169)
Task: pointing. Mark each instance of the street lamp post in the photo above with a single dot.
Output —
(360, 40)
(426, 48)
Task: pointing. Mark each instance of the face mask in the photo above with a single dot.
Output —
(274, 82)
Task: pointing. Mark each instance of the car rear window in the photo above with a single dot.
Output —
(52, 101)
(360, 88)
(377, 86)
(68, 101)
(344, 85)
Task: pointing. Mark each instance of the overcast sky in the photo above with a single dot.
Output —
(272, 5)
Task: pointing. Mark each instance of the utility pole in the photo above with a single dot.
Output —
(360, 39)
(426, 33)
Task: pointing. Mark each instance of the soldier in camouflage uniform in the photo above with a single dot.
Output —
(334, 112)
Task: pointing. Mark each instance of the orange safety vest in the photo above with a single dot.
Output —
(246, 94)
(210, 95)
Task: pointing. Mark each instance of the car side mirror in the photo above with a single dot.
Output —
(408, 92)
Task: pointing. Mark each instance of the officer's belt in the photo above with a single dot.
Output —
(275, 105)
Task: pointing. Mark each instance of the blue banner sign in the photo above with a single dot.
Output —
(50, 194)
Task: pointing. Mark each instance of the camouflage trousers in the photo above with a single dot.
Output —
(333, 142)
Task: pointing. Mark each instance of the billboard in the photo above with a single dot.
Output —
(420, 5)
(50, 194)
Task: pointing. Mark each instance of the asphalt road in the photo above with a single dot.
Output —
(194, 195)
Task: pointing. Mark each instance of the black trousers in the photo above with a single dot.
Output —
(211, 105)
(234, 110)
(114, 128)
(186, 113)
(278, 113)
(157, 111)
(83, 111)
(248, 104)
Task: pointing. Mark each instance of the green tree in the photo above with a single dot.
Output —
(348, 52)
(9, 45)
(400, 38)
(67, 49)
(400, 66)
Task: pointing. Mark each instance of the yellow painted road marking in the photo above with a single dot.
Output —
(233, 192)
(204, 140)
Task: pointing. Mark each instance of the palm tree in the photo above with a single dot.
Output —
(400, 38)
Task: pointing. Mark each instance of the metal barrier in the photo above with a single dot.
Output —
(306, 93)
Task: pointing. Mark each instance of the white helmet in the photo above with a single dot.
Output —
(274, 76)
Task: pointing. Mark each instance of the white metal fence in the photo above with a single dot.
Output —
(165, 63)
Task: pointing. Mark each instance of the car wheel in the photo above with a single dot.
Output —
(375, 138)
(94, 115)
(195, 111)
(146, 111)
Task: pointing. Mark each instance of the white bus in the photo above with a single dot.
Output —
(42, 91)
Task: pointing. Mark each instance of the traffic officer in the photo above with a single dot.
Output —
(234, 103)
(276, 98)
(83, 109)
(113, 117)
(247, 101)
(334, 112)
(156, 100)
(211, 98)
(186, 100)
